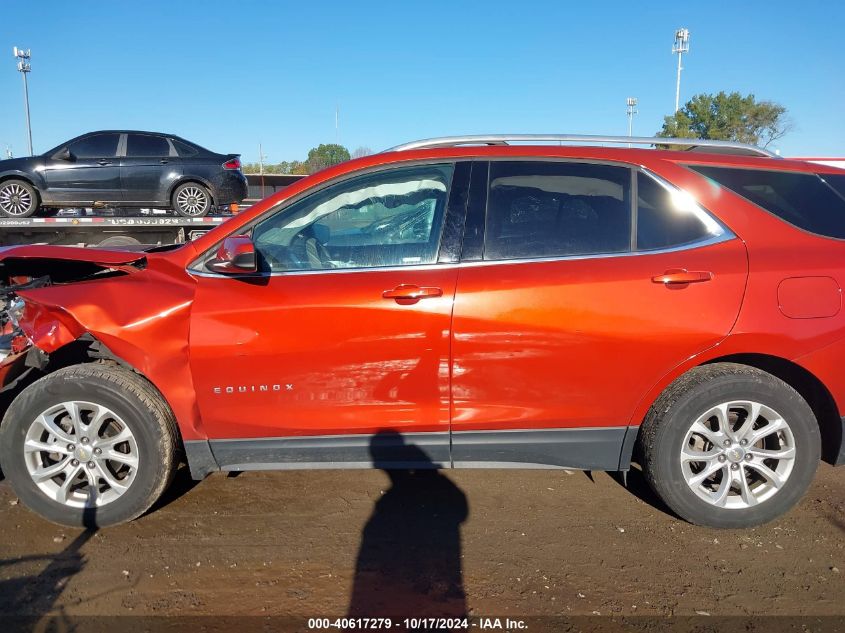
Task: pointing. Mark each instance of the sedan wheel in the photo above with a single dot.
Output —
(17, 199)
(191, 200)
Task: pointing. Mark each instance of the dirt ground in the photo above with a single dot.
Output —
(504, 543)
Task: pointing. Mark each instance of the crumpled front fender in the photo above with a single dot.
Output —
(49, 328)
(142, 319)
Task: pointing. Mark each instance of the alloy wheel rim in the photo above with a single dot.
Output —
(192, 201)
(738, 454)
(15, 199)
(81, 454)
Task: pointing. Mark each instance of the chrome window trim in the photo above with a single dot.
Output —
(725, 237)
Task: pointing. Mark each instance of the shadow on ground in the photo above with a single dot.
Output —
(409, 560)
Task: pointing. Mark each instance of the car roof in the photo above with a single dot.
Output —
(611, 154)
(167, 134)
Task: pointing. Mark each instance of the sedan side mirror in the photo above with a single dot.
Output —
(235, 255)
(63, 154)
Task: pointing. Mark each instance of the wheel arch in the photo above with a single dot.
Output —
(183, 180)
(807, 384)
(35, 364)
(13, 175)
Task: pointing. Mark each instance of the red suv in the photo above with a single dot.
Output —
(463, 302)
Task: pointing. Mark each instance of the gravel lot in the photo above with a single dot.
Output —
(492, 543)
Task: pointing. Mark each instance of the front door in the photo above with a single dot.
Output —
(148, 169)
(572, 311)
(338, 352)
(91, 173)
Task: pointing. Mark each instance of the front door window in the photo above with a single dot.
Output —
(382, 219)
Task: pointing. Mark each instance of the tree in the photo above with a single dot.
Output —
(728, 117)
(361, 151)
(326, 155)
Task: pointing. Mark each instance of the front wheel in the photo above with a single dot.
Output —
(730, 446)
(89, 445)
(18, 199)
(191, 200)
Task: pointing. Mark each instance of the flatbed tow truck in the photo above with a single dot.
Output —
(106, 227)
(116, 228)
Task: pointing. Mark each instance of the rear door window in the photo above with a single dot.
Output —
(804, 200)
(147, 145)
(556, 209)
(666, 218)
(96, 146)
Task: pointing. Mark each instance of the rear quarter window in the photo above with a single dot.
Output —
(183, 149)
(804, 200)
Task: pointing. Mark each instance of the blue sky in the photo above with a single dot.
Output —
(230, 74)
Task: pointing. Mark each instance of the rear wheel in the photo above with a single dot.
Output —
(191, 200)
(89, 445)
(18, 199)
(730, 446)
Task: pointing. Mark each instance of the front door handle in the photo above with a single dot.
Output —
(103, 163)
(164, 161)
(679, 276)
(409, 293)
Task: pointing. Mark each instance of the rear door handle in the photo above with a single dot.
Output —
(409, 293)
(103, 163)
(164, 161)
(678, 276)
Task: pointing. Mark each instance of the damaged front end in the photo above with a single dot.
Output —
(28, 330)
(18, 356)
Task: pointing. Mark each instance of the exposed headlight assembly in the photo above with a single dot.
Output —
(14, 310)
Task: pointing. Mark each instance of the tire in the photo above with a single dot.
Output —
(18, 199)
(191, 200)
(133, 405)
(742, 490)
(116, 241)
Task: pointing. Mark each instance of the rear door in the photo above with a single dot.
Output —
(148, 169)
(91, 173)
(572, 301)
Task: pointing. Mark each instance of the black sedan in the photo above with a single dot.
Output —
(122, 168)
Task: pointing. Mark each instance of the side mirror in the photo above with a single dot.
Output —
(235, 255)
(64, 154)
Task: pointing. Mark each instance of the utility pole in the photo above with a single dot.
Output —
(261, 158)
(680, 47)
(337, 124)
(631, 111)
(25, 67)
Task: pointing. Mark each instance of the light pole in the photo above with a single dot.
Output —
(24, 67)
(631, 111)
(261, 158)
(680, 47)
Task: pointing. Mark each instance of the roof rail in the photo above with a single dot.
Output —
(725, 147)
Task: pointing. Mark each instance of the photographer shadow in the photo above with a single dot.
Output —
(409, 561)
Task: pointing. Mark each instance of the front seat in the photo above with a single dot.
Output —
(316, 253)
